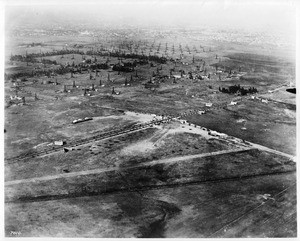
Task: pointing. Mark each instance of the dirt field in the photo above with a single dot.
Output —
(149, 164)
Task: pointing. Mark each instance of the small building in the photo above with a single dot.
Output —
(233, 103)
(264, 101)
(177, 76)
(59, 143)
(208, 104)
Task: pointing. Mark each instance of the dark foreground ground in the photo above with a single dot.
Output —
(171, 180)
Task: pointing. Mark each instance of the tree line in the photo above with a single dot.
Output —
(233, 89)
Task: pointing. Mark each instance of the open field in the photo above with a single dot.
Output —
(163, 152)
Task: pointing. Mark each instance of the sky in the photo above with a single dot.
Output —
(263, 15)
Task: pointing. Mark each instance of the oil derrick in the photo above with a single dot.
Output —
(56, 82)
(131, 78)
(72, 76)
(126, 81)
(136, 75)
(174, 80)
(74, 85)
(229, 73)
(181, 73)
(97, 73)
(170, 73)
(216, 56)
(35, 97)
(153, 74)
(84, 93)
(219, 76)
(113, 91)
(91, 76)
(23, 100)
(93, 87)
(118, 72)
(83, 57)
(193, 59)
(100, 82)
(208, 76)
(65, 89)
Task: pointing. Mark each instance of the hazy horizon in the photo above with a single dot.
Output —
(265, 17)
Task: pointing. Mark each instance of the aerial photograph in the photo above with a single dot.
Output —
(149, 119)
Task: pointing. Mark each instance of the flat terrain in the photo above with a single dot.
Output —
(180, 159)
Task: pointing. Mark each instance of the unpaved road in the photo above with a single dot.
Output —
(102, 170)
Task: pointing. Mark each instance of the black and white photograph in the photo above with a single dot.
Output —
(149, 119)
